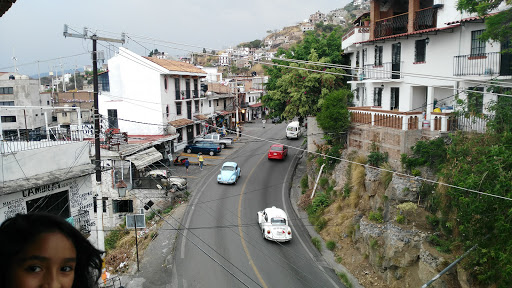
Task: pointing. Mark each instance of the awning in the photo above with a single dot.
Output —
(145, 158)
(256, 105)
(200, 117)
(181, 123)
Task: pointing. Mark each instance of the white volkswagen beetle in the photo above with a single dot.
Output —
(274, 224)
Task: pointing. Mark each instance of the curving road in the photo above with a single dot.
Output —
(222, 245)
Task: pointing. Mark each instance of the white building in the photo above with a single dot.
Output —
(20, 91)
(151, 96)
(407, 65)
(225, 59)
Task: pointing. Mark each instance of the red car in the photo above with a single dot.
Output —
(277, 151)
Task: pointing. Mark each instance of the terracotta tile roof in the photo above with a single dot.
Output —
(256, 105)
(201, 117)
(222, 113)
(172, 65)
(181, 122)
(474, 18)
(412, 33)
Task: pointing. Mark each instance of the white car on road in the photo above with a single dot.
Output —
(274, 224)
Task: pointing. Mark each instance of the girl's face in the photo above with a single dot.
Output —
(49, 262)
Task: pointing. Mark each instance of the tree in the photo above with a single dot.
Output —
(333, 116)
(297, 92)
(153, 52)
(204, 50)
(498, 26)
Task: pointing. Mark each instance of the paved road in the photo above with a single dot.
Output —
(223, 245)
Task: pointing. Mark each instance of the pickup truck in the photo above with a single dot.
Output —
(215, 138)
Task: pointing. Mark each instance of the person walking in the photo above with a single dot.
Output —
(263, 121)
(187, 163)
(201, 160)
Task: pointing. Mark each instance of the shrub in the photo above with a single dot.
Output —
(416, 172)
(344, 278)
(331, 245)
(320, 224)
(376, 158)
(167, 210)
(150, 216)
(374, 243)
(400, 219)
(320, 202)
(113, 238)
(387, 175)
(426, 153)
(376, 216)
(339, 259)
(316, 242)
(433, 220)
(304, 182)
(346, 190)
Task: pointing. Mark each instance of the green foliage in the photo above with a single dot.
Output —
(331, 245)
(426, 153)
(323, 182)
(501, 119)
(113, 238)
(443, 246)
(334, 116)
(297, 93)
(481, 162)
(346, 190)
(320, 202)
(344, 278)
(416, 172)
(376, 158)
(374, 243)
(376, 216)
(150, 216)
(400, 219)
(253, 44)
(167, 210)
(339, 259)
(316, 242)
(320, 224)
(433, 220)
(304, 182)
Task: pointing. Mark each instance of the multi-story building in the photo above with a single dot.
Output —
(21, 91)
(151, 96)
(412, 62)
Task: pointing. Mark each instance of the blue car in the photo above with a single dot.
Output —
(203, 147)
(229, 173)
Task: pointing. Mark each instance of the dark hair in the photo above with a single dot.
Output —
(18, 232)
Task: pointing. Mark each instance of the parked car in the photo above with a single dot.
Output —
(293, 130)
(229, 173)
(215, 138)
(277, 151)
(274, 225)
(203, 147)
(173, 182)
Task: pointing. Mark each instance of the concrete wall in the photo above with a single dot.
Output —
(314, 133)
(23, 164)
(392, 141)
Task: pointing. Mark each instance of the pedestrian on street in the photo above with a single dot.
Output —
(201, 160)
(263, 121)
(187, 163)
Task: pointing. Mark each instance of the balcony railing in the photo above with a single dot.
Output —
(384, 71)
(355, 34)
(425, 19)
(391, 25)
(178, 95)
(481, 64)
(385, 118)
(195, 93)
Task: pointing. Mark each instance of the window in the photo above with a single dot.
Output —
(378, 56)
(209, 103)
(6, 90)
(420, 50)
(195, 88)
(56, 204)
(357, 59)
(187, 87)
(8, 119)
(165, 82)
(224, 104)
(167, 110)
(476, 100)
(64, 114)
(178, 108)
(6, 103)
(112, 118)
(103, 203)
(395, 98)
(477, 45)
(122, 206)
(365, 56)
(377, 96)
(177, 88)
(196, 106)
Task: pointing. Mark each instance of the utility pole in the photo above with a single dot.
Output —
(99, 198)
(74, 76)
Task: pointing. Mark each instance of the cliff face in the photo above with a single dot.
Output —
(381, 245)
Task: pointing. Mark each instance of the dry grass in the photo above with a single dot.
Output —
(386, 176)
(305, 199)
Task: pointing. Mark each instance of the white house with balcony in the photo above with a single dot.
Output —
(413, 59)
(152, 96)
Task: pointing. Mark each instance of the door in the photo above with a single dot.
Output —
(190, 133)
(395, 60)
(506, 59)
(189, 110)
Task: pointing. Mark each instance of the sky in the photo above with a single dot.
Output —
(31, 31)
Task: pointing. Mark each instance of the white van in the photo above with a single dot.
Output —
(293, 130)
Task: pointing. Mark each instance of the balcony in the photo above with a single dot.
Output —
(391, 25)
(387, 70)
(385, 118)
(484, 64)
(354, 35)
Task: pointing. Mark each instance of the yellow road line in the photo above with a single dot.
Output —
(240, 226)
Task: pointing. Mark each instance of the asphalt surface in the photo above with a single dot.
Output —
(156, 265)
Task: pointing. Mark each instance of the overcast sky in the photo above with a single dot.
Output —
(32, 30)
